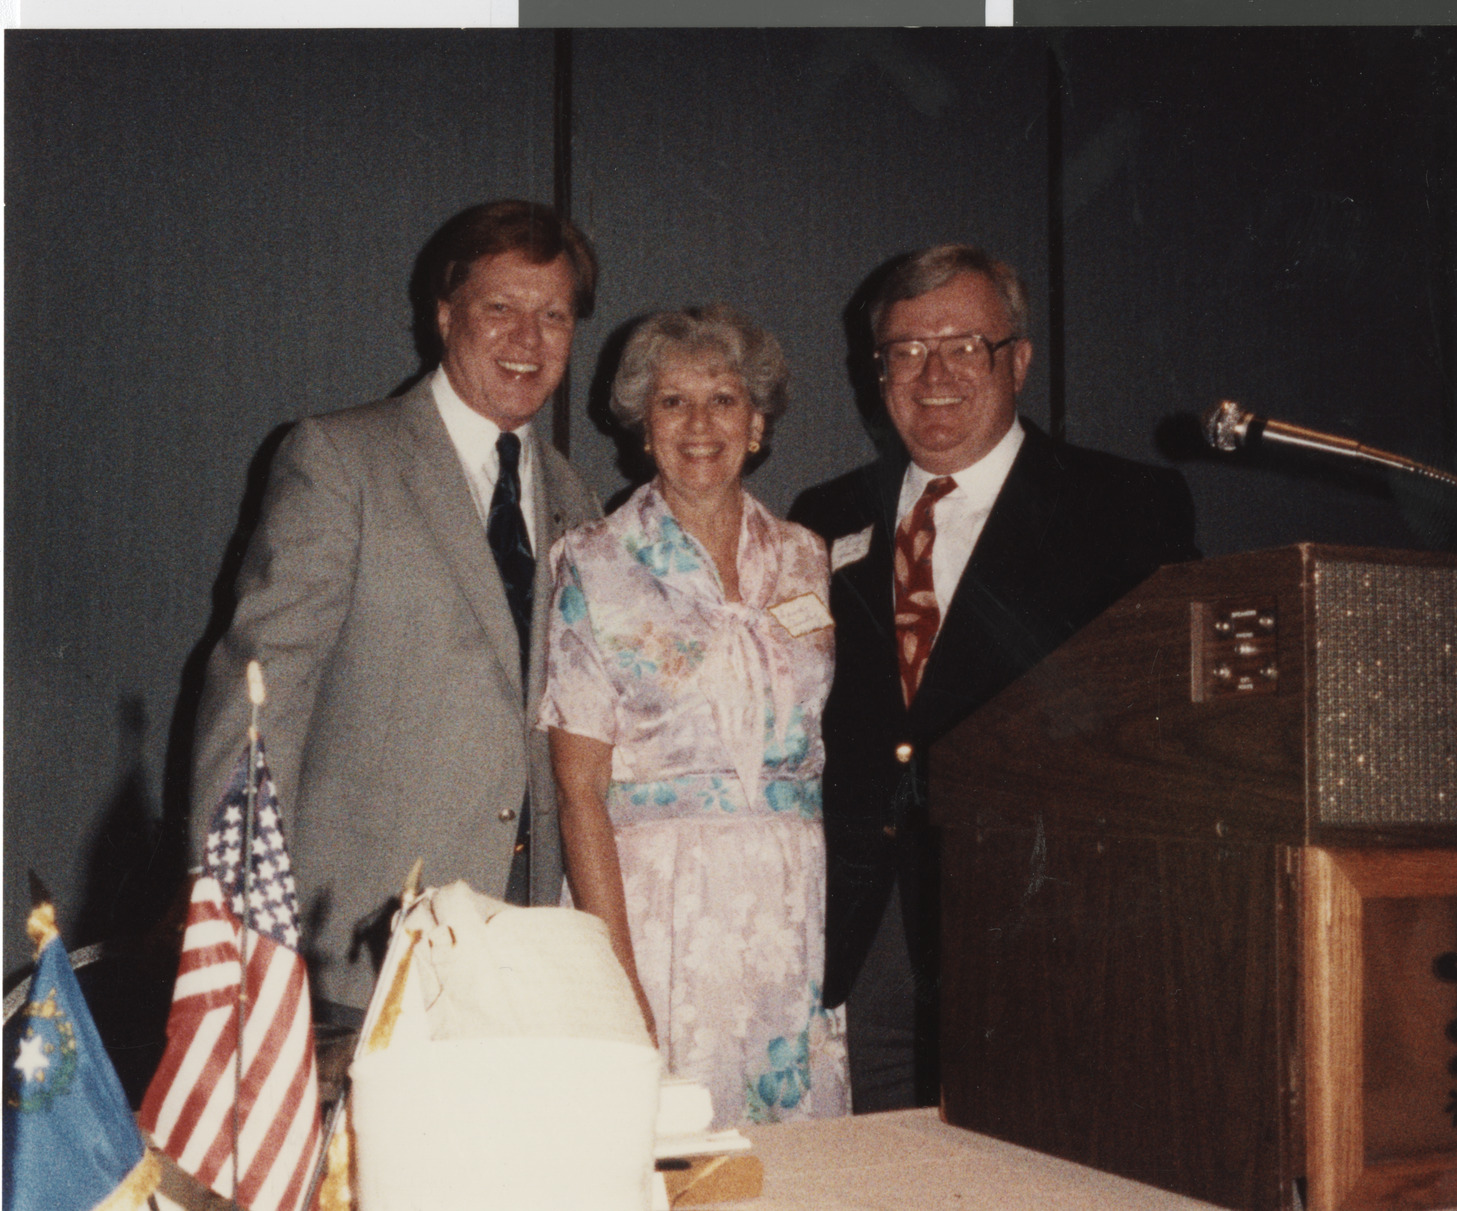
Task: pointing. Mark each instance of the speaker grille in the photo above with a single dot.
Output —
(1385, 693)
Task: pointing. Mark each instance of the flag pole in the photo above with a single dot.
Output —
(408, 895)
(256, 697)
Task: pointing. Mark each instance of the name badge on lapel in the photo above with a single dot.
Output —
(849, 547)
(802, 615)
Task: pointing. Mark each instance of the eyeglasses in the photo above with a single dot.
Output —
(967, 355)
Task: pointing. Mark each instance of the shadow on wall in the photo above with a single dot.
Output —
(860, 360)
(633, 464)
(127, 865)
(177, 780)
(132, 880)
(135, 864)
(132, 899)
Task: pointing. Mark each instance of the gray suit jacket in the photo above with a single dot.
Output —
(396, 727)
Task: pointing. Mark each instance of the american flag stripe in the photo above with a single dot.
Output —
(209, 961)
(208, 1112)
(282, 1057)
(282, 1142)
(209, 922)
(287, 1141)
(209, 965)
(281, 1127)
(174, 1119)
(265, 978)
(277, 985)
(212, 985)
(200, 1034)
(277, 1014)
(159, 1106)
(195, 1099)
(294, 1191)
(286, 1179)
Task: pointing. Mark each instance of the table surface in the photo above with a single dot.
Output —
(904, 1160)
(909, 1160)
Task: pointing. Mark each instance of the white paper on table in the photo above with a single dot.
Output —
(702, 1143)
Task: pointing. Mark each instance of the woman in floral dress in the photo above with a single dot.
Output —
(689, 658)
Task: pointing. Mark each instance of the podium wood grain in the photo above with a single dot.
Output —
(1122, 910)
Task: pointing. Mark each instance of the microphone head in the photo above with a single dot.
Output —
(1226, 425)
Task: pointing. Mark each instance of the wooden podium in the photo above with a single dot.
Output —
(1199, 887)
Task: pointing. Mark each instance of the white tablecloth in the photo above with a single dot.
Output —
(908, 1160)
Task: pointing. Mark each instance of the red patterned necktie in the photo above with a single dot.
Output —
(917, 616)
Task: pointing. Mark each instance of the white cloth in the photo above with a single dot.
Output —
(474, 437)
(505, 1124)
(516, 1049)
(962, 513)
(489, 969)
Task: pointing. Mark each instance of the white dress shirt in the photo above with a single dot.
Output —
(962, 513)
(474, 438)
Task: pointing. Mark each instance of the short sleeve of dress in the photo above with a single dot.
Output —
(580, 697)
(811, 548)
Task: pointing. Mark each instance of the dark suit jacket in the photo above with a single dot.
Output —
(1071, 531)
(396, 726)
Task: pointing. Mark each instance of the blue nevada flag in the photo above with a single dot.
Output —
(71, 1142)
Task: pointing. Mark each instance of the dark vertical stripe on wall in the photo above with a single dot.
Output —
(561, 405)
(1056, 377)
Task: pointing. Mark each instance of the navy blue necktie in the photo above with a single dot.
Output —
(506, 530)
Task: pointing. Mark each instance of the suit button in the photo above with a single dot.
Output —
(507, 813)
(903, 753)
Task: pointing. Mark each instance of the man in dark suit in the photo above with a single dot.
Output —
(958, 563)
(395, 593)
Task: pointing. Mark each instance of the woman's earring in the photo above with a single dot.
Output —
(647, 446)
(754, 447)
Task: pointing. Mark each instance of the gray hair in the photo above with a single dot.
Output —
(746, 349)
(919, 273)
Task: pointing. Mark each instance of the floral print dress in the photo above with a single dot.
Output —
(713, 711)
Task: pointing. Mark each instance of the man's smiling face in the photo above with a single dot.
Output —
(507, 332)
(949, 421)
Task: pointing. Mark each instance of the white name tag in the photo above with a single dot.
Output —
(802, 615)
(848, 548)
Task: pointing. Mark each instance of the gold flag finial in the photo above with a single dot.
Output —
(411, 891)
(41, 926)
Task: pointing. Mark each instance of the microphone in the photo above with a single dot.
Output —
(1228, 427)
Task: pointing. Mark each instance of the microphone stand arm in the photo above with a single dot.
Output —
(1227, 427)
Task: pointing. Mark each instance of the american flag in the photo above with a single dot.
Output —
(189, 1106)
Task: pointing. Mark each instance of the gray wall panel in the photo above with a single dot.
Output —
(210, 234)
(207, 235)
(1264, 215)
(775, 169)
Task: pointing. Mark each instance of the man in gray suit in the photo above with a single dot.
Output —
(395, 593)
